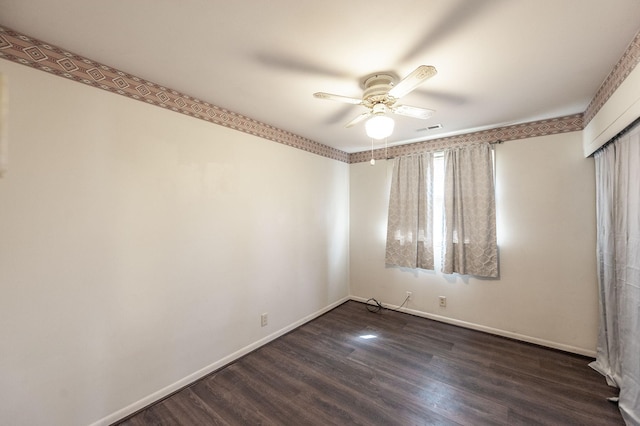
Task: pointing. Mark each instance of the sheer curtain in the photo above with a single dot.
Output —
(618, 250)
(469, 244)
(410, 220)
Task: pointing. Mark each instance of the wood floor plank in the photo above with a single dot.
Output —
(352, 366)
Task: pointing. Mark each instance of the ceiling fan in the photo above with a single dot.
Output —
(381, 96)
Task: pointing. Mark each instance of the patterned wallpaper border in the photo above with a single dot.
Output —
(570, 123)
(28, 51)
(629, 60)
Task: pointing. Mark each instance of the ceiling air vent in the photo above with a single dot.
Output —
(434, 127)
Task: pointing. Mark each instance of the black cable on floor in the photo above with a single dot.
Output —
(374, 306)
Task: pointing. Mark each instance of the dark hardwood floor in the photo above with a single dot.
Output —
(413, 372)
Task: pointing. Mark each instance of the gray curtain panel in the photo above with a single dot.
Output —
(3, 125)
(470, 246)
(410, 220)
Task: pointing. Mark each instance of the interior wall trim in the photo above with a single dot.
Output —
(629, 60)
(570, 123)
(151, 399)
(34, 53)
(490, 330)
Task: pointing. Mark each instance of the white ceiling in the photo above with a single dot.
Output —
(499, 62)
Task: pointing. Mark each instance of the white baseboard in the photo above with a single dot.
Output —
(490, 330)
(168, 390)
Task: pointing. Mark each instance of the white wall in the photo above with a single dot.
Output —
(547, 290)
(138, 248)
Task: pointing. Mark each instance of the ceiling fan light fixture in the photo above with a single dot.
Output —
(380, 97)
(379, 126)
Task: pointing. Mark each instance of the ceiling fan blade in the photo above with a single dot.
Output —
(358, 119)
(337, 98)
(412, 81)
(413, 112)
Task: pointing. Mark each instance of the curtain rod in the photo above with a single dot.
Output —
(633, 124)
(383, 153)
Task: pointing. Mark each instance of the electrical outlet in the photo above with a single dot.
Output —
(264, 319)
(409, 294)
(443, 301)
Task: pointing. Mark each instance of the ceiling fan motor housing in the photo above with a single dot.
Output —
(376, 90)
(381, 92)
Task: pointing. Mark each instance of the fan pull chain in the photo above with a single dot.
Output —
(386, 152)
(373, 161)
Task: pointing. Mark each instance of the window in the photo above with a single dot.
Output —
(448, 200)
